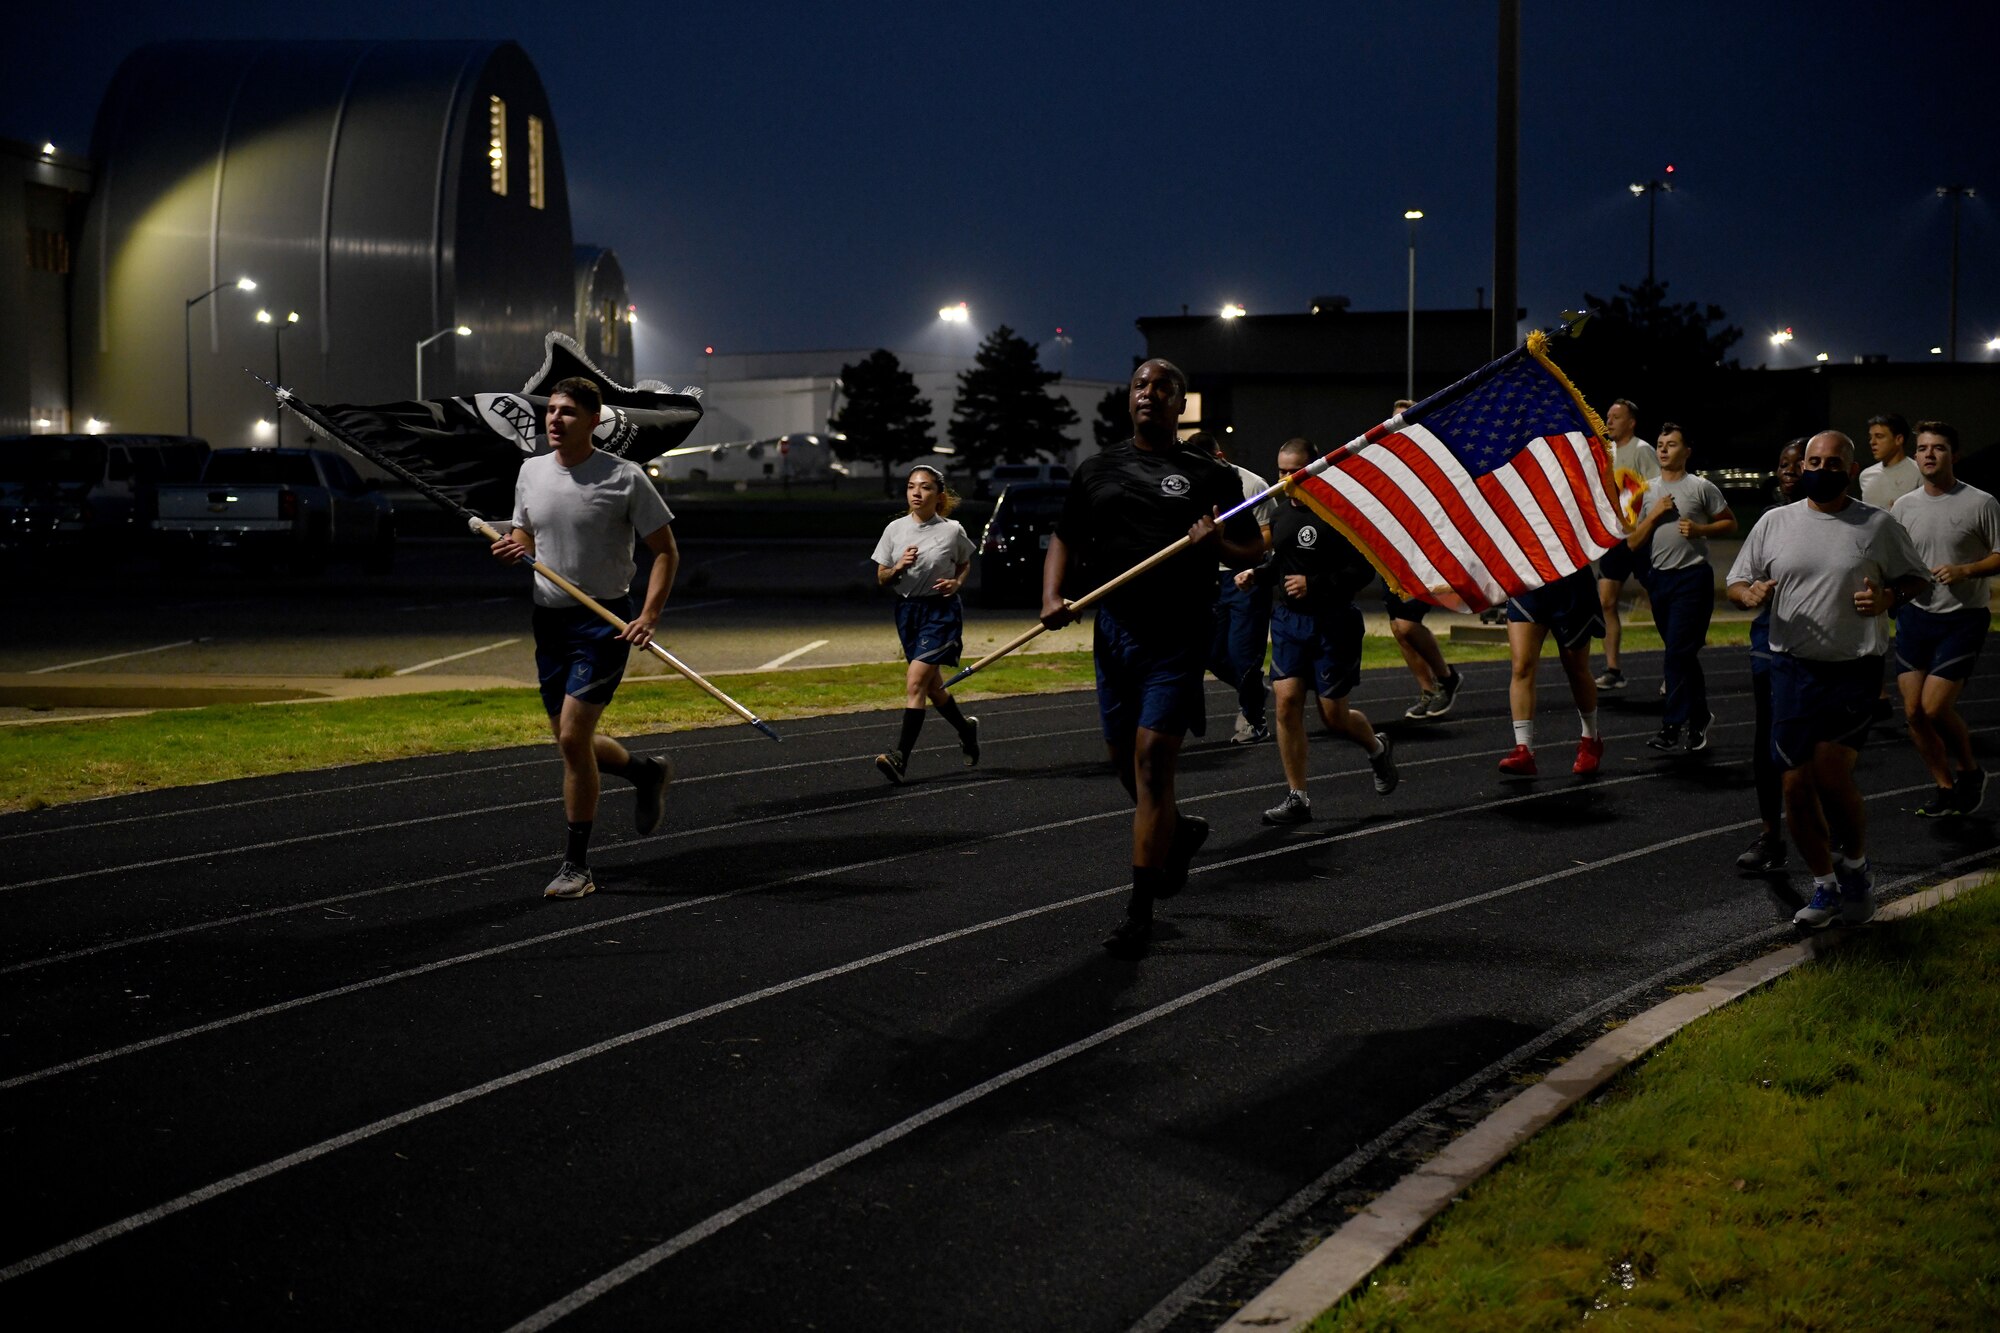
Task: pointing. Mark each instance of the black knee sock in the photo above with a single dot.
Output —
(578, 851)
(947, 708)
(913, 722)
(1146, 881)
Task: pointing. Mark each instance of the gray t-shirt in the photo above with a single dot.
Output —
(1698, 499)
(1636, 455)
(1882, 485)
(1956, 528)
(1255, 485)
(1820, 561)
(942, 547)
(584, 520)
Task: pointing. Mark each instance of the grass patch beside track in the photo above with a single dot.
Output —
(57, 762)
(1820, 1155)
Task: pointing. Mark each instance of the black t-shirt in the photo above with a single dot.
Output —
(1128, 503)
(1304, 543)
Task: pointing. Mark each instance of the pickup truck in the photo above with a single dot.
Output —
(303, 506)
(94, 493)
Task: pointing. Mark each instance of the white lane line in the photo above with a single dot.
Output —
(826, 1166)
(321, 1149)
(783, 658)
(455, 657)
(355, 895)
(113, 657)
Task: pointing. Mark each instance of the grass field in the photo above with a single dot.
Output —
(1822, 1155)
(68, 761)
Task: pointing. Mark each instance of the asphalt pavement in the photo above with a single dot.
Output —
(823, 1053)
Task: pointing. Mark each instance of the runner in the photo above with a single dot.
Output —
(1316, 633)
(1830, 566)
(1767, 853)
(925, 555)
(1672, 541)
(577, 510)
(1152, 634)
(1568, 609)
(1956, 529)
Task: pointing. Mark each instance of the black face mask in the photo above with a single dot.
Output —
(1821, 484)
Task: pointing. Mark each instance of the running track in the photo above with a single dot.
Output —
(823, 1054)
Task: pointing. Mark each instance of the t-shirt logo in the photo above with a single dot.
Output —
(1175, 484)
(1308, 537)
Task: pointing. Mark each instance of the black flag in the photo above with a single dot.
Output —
(471, 447)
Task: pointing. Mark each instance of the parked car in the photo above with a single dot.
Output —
(99, 490)
(1010, 551)
(303, 506)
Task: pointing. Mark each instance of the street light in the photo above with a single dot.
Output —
(187, 336)
(278, 327)
(956, 314)
(1781, 337)
(1412, 216)
(1652, 190)
(460, 329)
(1957, 194)
(1233, 310)
(1993, 345)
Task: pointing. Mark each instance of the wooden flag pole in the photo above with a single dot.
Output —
(318, 422)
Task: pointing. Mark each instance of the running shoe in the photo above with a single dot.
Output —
(1294, 809)
(1764, 855)
(1669, 738)
(1446, 693)
(1190, 832)
(1248, 732)
(1698, 734)
(1942, 802)
(1612, 679)
(968, 741)
(891, 766)
(571, 881)
(1519, 763)
(1384, 765)
(1128, 939)
(649, 794)
(1857, 893)
(1421, 709)
(1970, 790)
(1822, 911)
(1589, 754)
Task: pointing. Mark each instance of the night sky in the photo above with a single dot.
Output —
(793, 177)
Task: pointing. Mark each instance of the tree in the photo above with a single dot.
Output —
(1114, 418)
(1005, 412)
(883, 417)
(1651, 337)
(1672, 358)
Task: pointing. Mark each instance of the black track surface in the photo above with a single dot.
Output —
(311, 1051)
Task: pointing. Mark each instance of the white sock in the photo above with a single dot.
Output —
(1823, 881)
(1589, 723)
(1303, 798)
(1524, 733)
(1850, 863)
(1375, 744)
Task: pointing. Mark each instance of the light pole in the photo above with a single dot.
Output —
(278, 327)
(1652, 189)
(1955, 193)
(460, 329)
(187, 336)
(1412, 216)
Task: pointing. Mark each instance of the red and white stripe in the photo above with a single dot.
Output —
(1468, 542)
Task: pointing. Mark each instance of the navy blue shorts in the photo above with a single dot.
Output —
(1404, 608)
(1619, 563)
(1814, 703)
(1760, 643)
(1946, 646)
(932, 629)
(578, 653)
(1151, 679)
(1324, 649)
(1568, 607)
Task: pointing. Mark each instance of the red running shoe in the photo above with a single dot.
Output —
(1519, 763)
(1589, 754)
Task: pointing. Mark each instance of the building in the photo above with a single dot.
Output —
(42, 194)
(386, 193)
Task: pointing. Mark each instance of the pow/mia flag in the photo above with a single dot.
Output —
(471, 447)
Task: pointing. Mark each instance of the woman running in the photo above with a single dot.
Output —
(924, 555)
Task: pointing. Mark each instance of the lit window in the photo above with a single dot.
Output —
(536, 198)
(496, 143)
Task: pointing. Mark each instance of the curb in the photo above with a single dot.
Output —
(1344, 1260)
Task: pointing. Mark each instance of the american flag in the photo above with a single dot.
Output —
(1492, 487)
